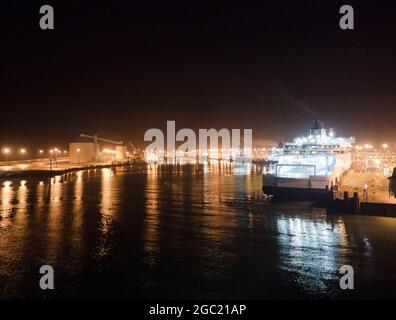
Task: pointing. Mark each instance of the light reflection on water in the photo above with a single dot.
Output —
(163, 232)
(311, 247)
(108, 210)
(151, 221)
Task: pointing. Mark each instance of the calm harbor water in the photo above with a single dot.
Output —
(183, 232)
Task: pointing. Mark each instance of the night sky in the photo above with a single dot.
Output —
(118, 68)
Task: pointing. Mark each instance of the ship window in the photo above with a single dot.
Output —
(295, 171)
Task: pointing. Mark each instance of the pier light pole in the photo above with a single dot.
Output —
(366, 191)
(23, 152)
(78, 152)
(50, 158)
(6, 151)
(56, 151)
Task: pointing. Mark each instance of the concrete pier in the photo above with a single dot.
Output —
(41, 168)
(354, 205)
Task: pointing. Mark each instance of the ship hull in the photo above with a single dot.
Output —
(297, 194)
(289, 189)
(392, 185)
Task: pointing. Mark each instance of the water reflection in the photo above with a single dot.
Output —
(108, 210)
(151, 221)
(77, 202)
(21, 218)
(309, 248)
(7, 210)
(51, 220)
(169, 231)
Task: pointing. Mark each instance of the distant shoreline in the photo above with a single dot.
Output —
(47, 173)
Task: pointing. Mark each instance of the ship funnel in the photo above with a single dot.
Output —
(316, 127)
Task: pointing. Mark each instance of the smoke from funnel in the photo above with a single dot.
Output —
(300, 104)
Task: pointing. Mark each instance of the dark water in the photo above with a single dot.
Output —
(183, 232)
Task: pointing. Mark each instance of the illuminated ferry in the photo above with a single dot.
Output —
(309, 166)
(392, 183)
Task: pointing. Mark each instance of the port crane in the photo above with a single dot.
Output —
(132, 145)
(96, 138)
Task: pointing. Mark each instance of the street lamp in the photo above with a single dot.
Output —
(23, 152)
(6, 151)
(385, 146)
(51, 158)
(365, 192)
(78, 152)
(41, 152)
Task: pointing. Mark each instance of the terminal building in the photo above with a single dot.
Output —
(81, 151)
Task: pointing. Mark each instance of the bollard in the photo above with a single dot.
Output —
(356, 203)
(346, 202)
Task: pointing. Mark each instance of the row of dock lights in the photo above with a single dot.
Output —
(22, 152)
(7, 151)
(55, 151)
(367, 146)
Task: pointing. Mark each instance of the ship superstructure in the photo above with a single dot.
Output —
(314, 162)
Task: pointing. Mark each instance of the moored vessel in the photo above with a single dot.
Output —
(392, 183)
(308, 167)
